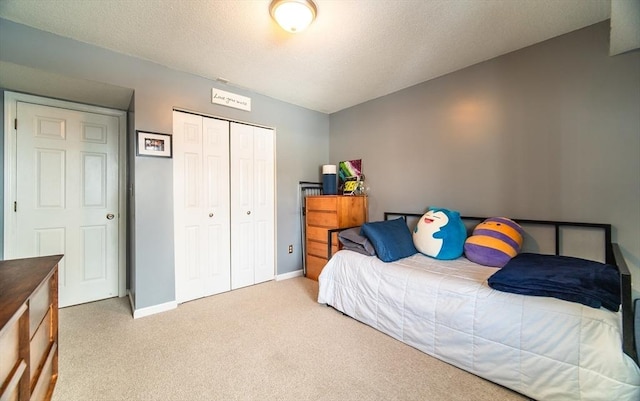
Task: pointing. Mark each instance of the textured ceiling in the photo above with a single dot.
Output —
(355, 51)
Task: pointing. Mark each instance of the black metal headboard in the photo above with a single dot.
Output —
(613, 256)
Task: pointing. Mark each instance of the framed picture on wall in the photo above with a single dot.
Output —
(153, 144)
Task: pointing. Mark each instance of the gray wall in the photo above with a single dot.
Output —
(548, 132)
(302, 145)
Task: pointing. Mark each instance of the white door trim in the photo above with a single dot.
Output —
(10, 113)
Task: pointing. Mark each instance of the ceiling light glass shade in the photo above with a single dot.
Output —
(293, 15)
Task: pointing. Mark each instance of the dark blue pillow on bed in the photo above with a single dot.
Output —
(391, 239)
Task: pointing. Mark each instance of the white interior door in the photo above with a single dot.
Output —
(252, 205)
(67, 199)
(201, 202)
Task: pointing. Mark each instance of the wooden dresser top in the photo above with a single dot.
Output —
(19, 278)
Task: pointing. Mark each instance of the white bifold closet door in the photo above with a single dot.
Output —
(224, 206)
(252, 205)
(201, 206)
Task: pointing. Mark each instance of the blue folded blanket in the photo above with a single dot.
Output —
(571, 279)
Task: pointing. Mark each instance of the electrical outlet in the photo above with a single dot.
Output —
(290, 248)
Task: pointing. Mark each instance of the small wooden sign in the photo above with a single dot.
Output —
(230, 99)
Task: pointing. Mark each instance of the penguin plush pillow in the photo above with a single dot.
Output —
(440, 233)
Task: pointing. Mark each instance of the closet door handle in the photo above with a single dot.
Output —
(248, 212)
(210, 214)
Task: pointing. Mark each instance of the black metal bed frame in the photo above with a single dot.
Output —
(613, 256)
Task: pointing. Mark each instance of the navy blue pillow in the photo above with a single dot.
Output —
(391, 239)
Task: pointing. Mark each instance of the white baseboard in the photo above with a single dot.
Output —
(152, 310)
(293, 274)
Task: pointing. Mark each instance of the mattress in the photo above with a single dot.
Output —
(544, 348)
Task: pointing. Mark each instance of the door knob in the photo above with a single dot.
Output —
(110, 216)
(210, 214)
(248, 212)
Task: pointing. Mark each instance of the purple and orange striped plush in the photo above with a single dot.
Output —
(494, 242)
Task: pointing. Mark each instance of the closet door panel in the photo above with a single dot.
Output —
(253, 216)
(264, 204)
(201, 202)
(187, 162)
(217, 266)
(242, 209)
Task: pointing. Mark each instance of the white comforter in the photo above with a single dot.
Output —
(542, 347)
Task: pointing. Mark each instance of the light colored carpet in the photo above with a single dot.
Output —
(271, 341)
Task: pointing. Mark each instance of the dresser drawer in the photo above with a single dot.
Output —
(39, 305)
(320, 248)
(12, 392)
(314, 266)
(40, 345)
(43, 387)
(323, 219)
(10, 346)
(329, 203)
(319, 234)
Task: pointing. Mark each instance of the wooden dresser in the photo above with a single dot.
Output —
(325, 212)
(28, 328)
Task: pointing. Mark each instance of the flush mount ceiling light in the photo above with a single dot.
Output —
(293, 15)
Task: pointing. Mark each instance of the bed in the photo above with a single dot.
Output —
(542, 347)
